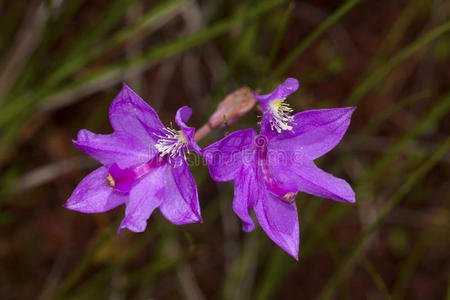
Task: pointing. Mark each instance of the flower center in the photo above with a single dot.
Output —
(123, 179)
(282, 191)
(281, 115)
(172, 143)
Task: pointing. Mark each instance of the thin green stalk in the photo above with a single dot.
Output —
(241, 274)
(376, 277)
(71, 65)
(104, 275)
(314, 35)
(335, 254)
(283, 22)
(93, 32)
(334, 251)
(11, 20)
(397, 32)
(78, 46)
(85, 262)
(375, 123)
(436, 113)
(402, 191)
(279, 267)
(413, 259)
(51, 32)
(372, 80)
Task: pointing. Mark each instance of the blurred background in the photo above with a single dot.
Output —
(62, 63)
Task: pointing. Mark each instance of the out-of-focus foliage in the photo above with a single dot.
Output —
(62, 62)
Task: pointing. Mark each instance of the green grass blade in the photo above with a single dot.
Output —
(283, 22)
(435, 231)
(164, 51)
(403, 190)
(375, 78)
(107, 74)
(376, 277)
(77, 62)
(85, 262)
(307, 42)
(438, 111)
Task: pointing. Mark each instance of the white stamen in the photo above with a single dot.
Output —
(173, 143)
(281, 115)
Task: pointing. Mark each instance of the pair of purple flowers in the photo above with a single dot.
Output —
(145, 167)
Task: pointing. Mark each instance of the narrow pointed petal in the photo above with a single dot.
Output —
(279, 220)
(245, 190)
(144, 197)
(129, 113)
(180, 204)
(181, 118)
(315, 132)
(313, 180)
(93, 195)
(118, 147)
(226, 157)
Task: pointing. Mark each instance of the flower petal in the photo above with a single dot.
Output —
(145, 196)
(182, 116)
(279, 220)
(315, 132)
(118, 147)
(129, 113)
(313, 180)
(226, 157)
(180, 204)
(269, 121)
(93, 195)
(245, 191)
(289, 86)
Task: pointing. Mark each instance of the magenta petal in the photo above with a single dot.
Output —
(144, 197)
(180, 204)
(92, 195)
(123, 178)
(279, 220)
(226, 157)
(182, 116)
(289, 86)
(315, 132)
(120, 148)
(245, 191)
(312, 180)
(129, 113)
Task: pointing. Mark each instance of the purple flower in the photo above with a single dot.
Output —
(144, 166)
(269, 169)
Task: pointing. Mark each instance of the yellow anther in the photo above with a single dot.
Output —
(173, 143)
(281, 115)
(110, 181)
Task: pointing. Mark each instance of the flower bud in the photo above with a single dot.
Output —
(233, 108)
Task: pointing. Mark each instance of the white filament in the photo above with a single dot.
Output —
(172, 143)
(281, 115)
